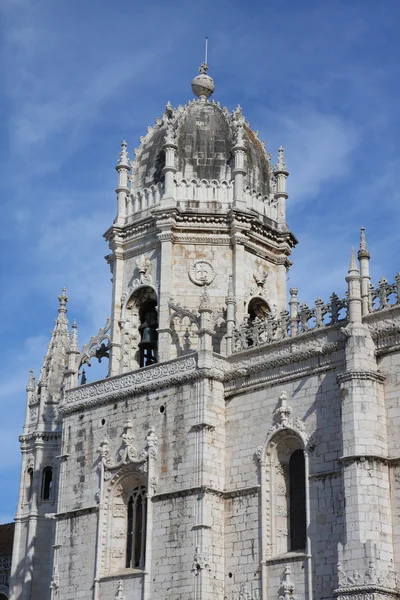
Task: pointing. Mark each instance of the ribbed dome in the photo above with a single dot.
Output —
(204, 136)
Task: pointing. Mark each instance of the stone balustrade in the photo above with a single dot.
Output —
(191, 193)
(385, 294)
(300, 319)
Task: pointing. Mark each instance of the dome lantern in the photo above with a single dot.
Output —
(203, 85)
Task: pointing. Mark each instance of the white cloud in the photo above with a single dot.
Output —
(318, 149)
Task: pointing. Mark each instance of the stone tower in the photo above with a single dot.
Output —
(40, 446)
(236, 450)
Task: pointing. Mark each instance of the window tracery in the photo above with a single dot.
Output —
(136, 529)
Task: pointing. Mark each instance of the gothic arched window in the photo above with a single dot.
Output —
(47, 483)
(136, 529)
(148, 333)
(286, 511)
(297, 501)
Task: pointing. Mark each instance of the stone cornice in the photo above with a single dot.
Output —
(77, 512)
(45, 436)
(360, 376)
(291, 351)
(352, 458)
(325, 475)
(366, 592)
(203, 489)
(151, 378)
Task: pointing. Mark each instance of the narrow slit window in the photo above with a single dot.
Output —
(29, 483)
(136, 530)
(297, 501)
(47, 483)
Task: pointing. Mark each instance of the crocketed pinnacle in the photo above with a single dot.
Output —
(55, 360)
(281, 164)
(74, 338)
(123, 156)
(363, 251)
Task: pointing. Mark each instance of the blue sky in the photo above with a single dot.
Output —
(77, 77)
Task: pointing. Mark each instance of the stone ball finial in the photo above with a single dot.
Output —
(203, 85)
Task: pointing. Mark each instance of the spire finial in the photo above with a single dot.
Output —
(123, 155)
(281, 164)
(363, 251)
(63, 299)
(203, 85)
(353, 268)
(31, 382)
(363, 241)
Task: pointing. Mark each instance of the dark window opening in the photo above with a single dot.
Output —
(297, 501)
(47, 483)
(136, 534)
(29, 484)
(258, 309)
(148, 333)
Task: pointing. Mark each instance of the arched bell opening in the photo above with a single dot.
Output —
(258, 308)
(140, 325)
(148, 318)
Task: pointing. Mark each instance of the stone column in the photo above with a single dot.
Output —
(363, 257)
(165, 225)
(281, 174)
(71, 374)
(117, 264)
(170, 147)
(122, 189)
(230, 316)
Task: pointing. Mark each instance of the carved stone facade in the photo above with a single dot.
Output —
(255, 455)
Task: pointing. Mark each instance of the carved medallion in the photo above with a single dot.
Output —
(201, 272)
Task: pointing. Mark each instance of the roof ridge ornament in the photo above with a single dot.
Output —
(203, 85)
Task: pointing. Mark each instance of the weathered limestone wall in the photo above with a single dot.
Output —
(314, 396)
(389, 366)
(188, 525)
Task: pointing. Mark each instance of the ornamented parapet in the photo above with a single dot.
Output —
(385, 295)
(301, 318)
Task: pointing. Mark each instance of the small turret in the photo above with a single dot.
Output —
(71, 374)
(281, 173)
(122, 168)
(363, 257)
(354, 290)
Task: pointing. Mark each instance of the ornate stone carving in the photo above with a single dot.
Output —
(98, 346)
(33, 414)
(127, 453)
(288, 588)
(150, 378)
(144, 266)
(120, 592)
(283, 422)
(245, 593)
(201, 561)
(201, 273)
(372, 576)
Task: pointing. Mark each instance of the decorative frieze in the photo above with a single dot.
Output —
(151, 378)
(371, 576)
